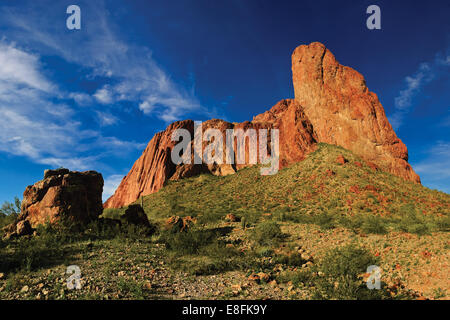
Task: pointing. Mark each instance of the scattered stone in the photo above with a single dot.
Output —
(341, 160)
(25, 289)
(273, 283)
(253, 277)
(263, 276)
(354, 189)
(178, 224)
(236, 289)
(231, 217)
(148, 285)
(305, 256)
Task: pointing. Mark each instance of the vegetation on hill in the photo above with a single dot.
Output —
(317, 190)
(308, 232)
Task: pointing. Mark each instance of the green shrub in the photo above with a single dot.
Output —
(298, 278)
(292, 260)
(267, 233)
(353, 223)
(373, 224)
(190, 242)
(341, 271)
(411, 222)
(324, 220)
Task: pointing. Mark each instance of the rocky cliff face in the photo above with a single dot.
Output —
(344, 112)
(154, 167)
(332, 104)
(62, 193)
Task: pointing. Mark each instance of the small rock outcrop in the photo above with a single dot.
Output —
(135, 214)
(61, 194)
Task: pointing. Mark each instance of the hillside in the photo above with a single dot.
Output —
(308, 232)
(329, 203)
(316, 189)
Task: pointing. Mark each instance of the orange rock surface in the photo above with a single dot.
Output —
(155, 167)
(332, 104)
(344, 112)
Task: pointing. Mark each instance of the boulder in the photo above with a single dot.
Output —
(135, 214)
(76, 196)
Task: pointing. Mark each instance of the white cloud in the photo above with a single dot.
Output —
(47, 132)
(106, 118)
(426, 73)
(134, 73)
(81, 98)
(104, 95)
(19, 67)
(111, 184)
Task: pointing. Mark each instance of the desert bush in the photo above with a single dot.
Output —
(9, 212)
(373, 224)
(297, 278)
(29, 253)
(443, 223)
(201, 252)
(341, 271)
(267, 233)
(411, 222)
(53, 243)
(190, 242)
(292, 260)
(325, 220)
(353, 223)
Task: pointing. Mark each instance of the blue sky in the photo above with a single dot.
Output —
(93, 98)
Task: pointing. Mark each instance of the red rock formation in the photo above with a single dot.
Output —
(154, 167)
(62, 193)
(332, 105)
(344, 112)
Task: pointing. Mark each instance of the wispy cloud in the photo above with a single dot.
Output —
(81, 98)
(104, 95)
(434, 169)
(38, 119)
(426, 73)
(134, 74)
(34, 126)
(106, 118)
(18, 67)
